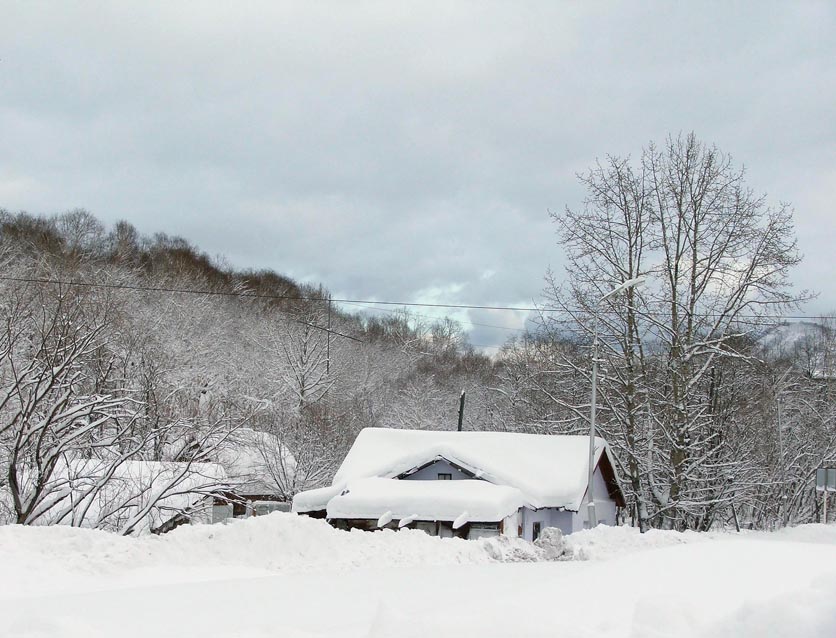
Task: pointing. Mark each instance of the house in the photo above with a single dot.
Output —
(260, 470)
(133, 495)
(467, 484)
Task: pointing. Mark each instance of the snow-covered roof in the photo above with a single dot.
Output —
(151, 492)
(373, 498)
(548, 470)
(315, 500)
(252, 459)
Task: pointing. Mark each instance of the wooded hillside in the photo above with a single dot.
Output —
(119, 347)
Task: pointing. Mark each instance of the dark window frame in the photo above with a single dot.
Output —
(444, 476)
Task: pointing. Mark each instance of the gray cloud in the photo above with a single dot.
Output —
(402, 151)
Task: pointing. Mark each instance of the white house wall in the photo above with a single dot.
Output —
(604, 505)
(511, 524)
(567, 521)
(529, 517)
(547, 517)
(562, 519)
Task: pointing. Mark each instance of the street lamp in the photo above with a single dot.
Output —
(590, 506)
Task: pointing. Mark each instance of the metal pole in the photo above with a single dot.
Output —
(590, 506)
(783, 494)
(461, 410)
(734, 517)
(328, 343)
(630, 283)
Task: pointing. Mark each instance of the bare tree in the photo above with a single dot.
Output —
(717, 259)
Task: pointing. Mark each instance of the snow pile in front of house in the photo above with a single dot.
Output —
(60, 558)
(295, 576)
(606, 542)
(460, 501)
(39, 560)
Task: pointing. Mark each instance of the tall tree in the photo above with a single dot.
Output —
(717, 259)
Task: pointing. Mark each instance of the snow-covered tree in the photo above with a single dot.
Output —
(717, 261)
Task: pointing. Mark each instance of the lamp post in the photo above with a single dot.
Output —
(590, 506)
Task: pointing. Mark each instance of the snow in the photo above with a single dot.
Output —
(605, 542)
(425, 500)
(131, 486)
(461, 519)
(293, 576)
(315, 500)
(247, 456)
(385, 519)
(549, 471)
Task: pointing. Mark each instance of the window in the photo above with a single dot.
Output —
(445, 477)
(535, 531)
(483, 530)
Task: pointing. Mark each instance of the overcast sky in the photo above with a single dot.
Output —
(404, 151)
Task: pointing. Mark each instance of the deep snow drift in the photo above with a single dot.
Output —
(293, 576)
(38, 560)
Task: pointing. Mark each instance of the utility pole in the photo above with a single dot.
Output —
(328, 342)
(461, 410)
(590, 506)
(782, 497)
(783, 467)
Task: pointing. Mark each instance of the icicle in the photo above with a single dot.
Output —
(385, 519)
(461, 520)
(407, 520)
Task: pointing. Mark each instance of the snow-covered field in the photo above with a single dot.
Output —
(283, 575)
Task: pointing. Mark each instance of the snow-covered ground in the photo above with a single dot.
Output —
(290, 576)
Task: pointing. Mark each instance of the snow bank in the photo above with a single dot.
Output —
(606, 543)
(812, 533)
(58, 558)
(294, 576)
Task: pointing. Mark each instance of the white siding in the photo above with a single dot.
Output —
(563, 520)
(529, 517)
(604, 505)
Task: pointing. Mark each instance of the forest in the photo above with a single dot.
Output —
(118, 347)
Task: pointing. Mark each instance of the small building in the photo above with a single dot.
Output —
(134, 496)
(259, 468)
(467, 484)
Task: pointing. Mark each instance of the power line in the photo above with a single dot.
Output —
(252, 295)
